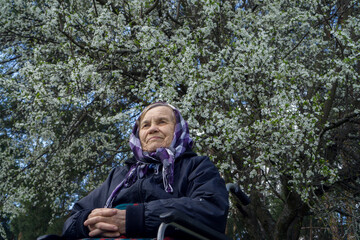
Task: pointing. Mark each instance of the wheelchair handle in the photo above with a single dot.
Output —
(235, 189)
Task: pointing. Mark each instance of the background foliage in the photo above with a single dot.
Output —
(271, 91)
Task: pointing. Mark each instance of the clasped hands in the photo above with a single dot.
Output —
(106, 222)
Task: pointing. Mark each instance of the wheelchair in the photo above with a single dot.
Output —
(181, 223)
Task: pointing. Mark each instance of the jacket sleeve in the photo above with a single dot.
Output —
(206, 200)
(74, 226)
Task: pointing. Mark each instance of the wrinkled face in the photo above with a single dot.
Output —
(156, 128)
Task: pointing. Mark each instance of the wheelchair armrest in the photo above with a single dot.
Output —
(189, 225)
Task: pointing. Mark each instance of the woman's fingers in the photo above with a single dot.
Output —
(103, 228)
(100, 222)
(95, 232)
(99, 215)
(98, 232)
(106, 222)
(105, 212)
(111, 234)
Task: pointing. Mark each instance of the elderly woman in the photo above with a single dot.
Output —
(164, 174)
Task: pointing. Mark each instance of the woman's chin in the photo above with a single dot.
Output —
(153, 148)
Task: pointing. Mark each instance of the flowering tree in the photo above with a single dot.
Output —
(270, 89)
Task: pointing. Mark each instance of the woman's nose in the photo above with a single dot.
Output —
(153, 128)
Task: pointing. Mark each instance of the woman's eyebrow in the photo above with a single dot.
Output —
(144, 121)
(157, 119)
(163, 118)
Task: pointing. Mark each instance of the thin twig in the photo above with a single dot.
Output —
(11, 59)
(272, 188)
(96, 12)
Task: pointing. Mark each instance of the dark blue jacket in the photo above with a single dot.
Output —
(199, 191)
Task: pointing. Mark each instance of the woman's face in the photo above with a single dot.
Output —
(156, 128)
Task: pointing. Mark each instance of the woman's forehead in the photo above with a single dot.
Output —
(158, 112)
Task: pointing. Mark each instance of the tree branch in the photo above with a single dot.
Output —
(152, 8)
(339, 123)
(85, 47)
(272, 188)
(96, 12)
(11, 59)
(328, 103)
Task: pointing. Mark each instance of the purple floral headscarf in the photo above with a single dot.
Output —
(166, 156)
